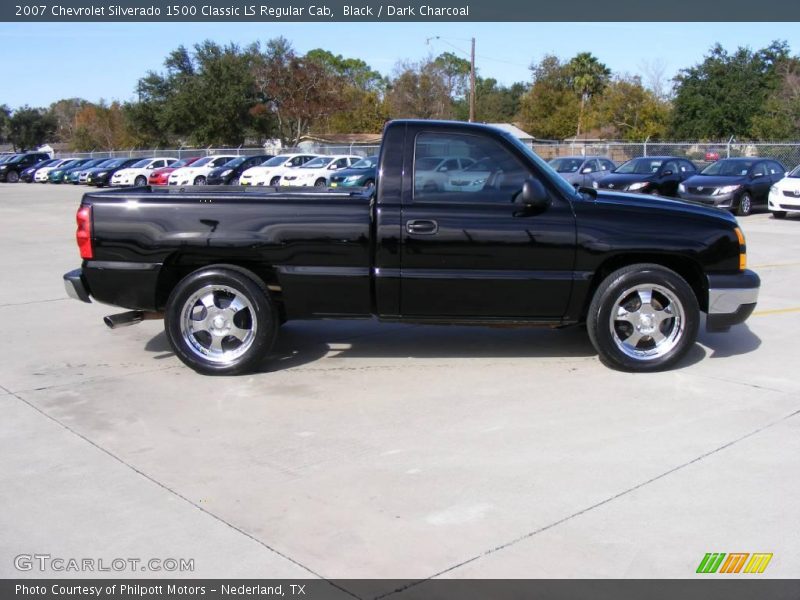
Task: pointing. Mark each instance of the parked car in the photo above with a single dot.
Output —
(11, 169)
(161, 176)
(225, 267)
(28, 174)
(139, 171)
(271, 171)
(57, 174)
(197, 172)
(83, 175)
(100, 176)
(737, 184)
(231, 171)
(42, 174)
(582, 170)
(431, 172)
(317, 171)
(784, 196)
(360, 174)
(73, 175)
(659, 175)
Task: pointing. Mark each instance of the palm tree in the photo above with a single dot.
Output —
(589, 77)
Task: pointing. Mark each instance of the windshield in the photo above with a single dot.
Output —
(318, 163)
(203, 161)
(235, 162)
(728, 168)
(183, 162)
(795, 173)
(276, 161)
(563, 185)
(69, 163)
(141, 164)
(427, 164)
(118, 162)
(566, 165)
(640, 166)
(365, 163)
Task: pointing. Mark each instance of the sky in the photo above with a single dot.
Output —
(94, 61)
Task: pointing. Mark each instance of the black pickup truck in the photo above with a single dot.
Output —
(503, 241)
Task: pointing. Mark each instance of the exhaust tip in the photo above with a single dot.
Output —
(123, 319)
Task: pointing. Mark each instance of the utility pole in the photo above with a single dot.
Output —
(472, 83)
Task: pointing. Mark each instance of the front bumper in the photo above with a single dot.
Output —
(720, 201)
(781, 202)
(731, 299)
(75, 286)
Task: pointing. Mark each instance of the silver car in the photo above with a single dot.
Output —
(582, 170)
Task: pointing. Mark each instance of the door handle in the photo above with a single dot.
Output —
(422, 227)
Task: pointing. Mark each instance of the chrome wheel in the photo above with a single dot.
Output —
(218, 323)
(647, 322)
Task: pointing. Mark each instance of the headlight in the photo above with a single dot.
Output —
(594, 185)
(226, 173)
(773, 189)
(637, 186)
(726, 189)
(681, 187)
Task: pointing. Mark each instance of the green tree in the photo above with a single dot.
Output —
(589, 78)
(550, 108)
(780, 117)
(631, 111)
(722, 95)
(494, 103)
(30, 127)
(5, 119)
(64, 112)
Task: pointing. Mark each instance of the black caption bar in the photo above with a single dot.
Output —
(378, 10)
(379, 589)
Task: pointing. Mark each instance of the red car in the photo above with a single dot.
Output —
(161, 176)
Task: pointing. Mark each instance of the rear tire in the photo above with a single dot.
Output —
(12, 177)
(778, 214)
(643, 317)
(221, 320)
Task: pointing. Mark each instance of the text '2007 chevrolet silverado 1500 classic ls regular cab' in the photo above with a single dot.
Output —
(503, 241)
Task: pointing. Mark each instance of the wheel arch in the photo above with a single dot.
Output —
(179, 265)
(684, 266)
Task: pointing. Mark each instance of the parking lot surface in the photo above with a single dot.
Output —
(375, 450)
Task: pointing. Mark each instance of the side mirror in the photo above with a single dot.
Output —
(533, 195)
(332, 168)
(756, 175)
(587, 170)
(666, 173)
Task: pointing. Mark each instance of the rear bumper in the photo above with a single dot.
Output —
(75, 286)
(731, 299)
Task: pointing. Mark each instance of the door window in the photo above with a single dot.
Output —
(494, 176)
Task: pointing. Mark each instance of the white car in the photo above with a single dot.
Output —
(317, 172)
(433, 172)
(471, 179)
(138, 173)
(271, 171)
(41, 174)
(784, 196)
(196, 173)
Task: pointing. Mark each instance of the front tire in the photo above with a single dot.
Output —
(221, 321)
(319, 183)
(12, 177)
(643, 317)
(234, 181)
(745, 206)
(275, 181)
(140, 181)
(199, 180)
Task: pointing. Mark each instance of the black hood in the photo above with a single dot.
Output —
(656, 204)
(622, 179)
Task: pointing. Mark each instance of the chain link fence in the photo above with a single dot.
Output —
(701, 153)
(788, 154)
(353, 149)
